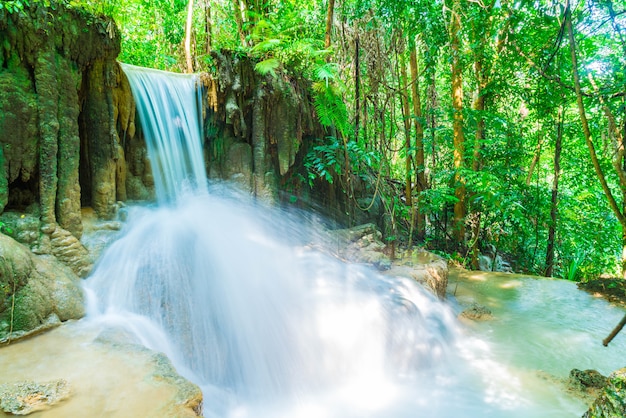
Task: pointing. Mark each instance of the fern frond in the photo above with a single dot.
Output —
(267, 66)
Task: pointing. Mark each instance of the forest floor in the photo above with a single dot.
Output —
(613, 289)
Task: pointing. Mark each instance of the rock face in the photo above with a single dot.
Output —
(612, 401)
(255, 125)
(36, 293)
(58, 126)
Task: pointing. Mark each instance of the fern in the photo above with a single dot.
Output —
(330, 108)
(267, 66)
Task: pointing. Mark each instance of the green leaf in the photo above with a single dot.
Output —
(267, 66)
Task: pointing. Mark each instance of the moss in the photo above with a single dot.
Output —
(4, 184)
(18, 124)
(612, 401)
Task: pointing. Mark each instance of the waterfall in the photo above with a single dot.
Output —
(240, 299)
(169, 107)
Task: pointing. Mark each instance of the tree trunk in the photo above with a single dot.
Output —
(420, 166)
(431, 119)
(329, 23)
(357, 88)
(188, 28)
(587, 133)
(535, 160)
(458, 136)
(554, 201)
(583, 119)
(208, 27)
(237, 11)
(406, 117)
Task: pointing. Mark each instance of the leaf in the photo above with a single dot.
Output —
(267, 66)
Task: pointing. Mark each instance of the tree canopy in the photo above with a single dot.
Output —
(487, 125)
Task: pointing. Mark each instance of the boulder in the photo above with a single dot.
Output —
(362, 244)
(37, 292)
(612, 400)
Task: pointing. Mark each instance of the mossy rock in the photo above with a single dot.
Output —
(36, 292)
(612, 401)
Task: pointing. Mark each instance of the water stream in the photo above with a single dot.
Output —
(245, 304)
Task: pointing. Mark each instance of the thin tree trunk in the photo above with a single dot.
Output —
(583, 119)
(208, 27)
(479, 107)
(554, 201)
(535, 160)
(357, 88)
(188, 28)
(239, 21)
(432, 120)
(329, 23)
(458, 136)
(587, 133)
(420, 176)
(406, 117)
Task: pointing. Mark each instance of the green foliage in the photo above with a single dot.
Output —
(323, 161)
(13, 6)
(268, 66)
(527, 71)
(7, 230)
(326, 161)
(330, 108)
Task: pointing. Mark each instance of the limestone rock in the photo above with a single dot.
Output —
(36, 292)
(424, 267)
(70, 251)
(26, 397)
(476, 312)
(612, 401)
(362, 244)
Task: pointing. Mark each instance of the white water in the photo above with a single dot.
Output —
(236, 296)
(169, 107)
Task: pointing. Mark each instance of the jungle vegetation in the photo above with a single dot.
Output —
(484, 123)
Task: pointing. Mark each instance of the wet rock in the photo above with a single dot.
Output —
(362, 244)
(612, 400)
(587, 379)
(424, 267)
(476, 312)
(36, 292)
(188, 395)
(187, 399)
(70, 251)
(110, 373)
(23, 398)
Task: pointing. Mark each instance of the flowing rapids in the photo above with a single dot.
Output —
(268, 326)
(247, 304)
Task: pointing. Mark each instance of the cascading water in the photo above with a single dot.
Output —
(235, 294)
(169, 107)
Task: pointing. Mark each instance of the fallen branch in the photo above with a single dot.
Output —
(615, 331)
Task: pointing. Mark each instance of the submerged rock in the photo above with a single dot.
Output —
(476, 312)
(23, 398)
(612, 401)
